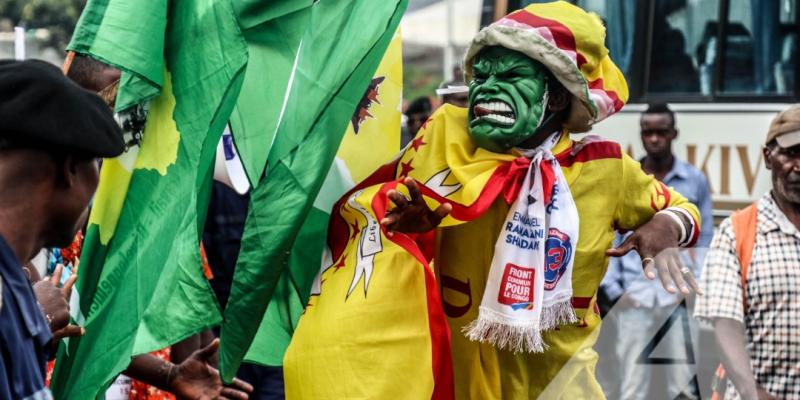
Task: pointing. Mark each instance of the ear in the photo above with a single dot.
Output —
(559, 98)
(767, 157)
(67, 169)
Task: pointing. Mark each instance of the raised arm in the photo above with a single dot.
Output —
(663, 220)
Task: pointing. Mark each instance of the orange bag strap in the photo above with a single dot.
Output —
(744, 224)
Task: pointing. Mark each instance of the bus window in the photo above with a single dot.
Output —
(670, 50)
(760, 48)
(619, 17)
(680, 43)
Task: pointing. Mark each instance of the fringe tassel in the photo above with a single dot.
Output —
(557, 314)
(515, 338)
(496, 330)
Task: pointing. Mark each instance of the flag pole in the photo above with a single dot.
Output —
(500, 9)
(449, 49)
(19, 43)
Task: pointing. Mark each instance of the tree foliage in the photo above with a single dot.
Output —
(57, 16)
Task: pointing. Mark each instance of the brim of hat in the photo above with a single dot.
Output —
(583, 112)
(788, 139)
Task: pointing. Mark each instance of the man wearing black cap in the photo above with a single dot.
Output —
(51, 134)
(193, 377)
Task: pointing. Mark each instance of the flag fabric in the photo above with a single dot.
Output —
(376, 319)
(141, 286)
(372, 137)
(325, 53)
(369, 331)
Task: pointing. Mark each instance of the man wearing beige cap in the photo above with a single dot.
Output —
(752, 280)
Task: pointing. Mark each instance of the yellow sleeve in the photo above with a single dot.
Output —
(642, 196)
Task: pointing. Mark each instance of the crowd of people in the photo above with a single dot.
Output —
(504, 239)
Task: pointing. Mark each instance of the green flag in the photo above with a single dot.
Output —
(371, 139)
(328, 52)
(141, 286)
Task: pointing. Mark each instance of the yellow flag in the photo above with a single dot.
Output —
(372, 138)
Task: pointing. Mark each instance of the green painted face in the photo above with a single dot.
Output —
(507, 98)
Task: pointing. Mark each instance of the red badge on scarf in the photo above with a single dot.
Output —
(516, 287)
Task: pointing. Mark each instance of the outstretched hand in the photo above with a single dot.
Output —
(657, 245)
(196, 379)
(54, 303)
(412, 215)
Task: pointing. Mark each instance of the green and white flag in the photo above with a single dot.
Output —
(141, 286)
(307, 64)
(371, 138)
(327, 53)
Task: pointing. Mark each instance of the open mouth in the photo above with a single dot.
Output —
(497, 111)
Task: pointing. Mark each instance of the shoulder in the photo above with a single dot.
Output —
(598, 146)
(724, 236)
(692, 172)
(447, 120)
(765, 204)
(720, 258)
(591, 148)
(726, 227)
(450, 114)
(768, 213)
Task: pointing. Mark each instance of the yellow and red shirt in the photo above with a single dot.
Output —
(388, 310)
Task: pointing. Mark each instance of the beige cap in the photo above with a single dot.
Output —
(785, 128)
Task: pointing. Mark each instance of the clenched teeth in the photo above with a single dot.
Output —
(500, 118)
(495, 106)
(496, 111)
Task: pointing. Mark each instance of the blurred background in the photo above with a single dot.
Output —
(725, 66)
(721, 49)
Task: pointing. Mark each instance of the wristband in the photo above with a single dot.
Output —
(691, 228)
(678, 221)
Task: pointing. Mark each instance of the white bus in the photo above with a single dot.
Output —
(725, 66)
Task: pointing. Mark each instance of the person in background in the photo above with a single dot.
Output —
(456, 96)
(752, 275)
(222, 237)
(51, 134)
(641, 305)
(454, 92)
(416, 114)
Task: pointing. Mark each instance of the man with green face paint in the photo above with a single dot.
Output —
(508, 96)
(516, 101)
(512, 217)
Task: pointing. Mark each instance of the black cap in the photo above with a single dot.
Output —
(41, 108)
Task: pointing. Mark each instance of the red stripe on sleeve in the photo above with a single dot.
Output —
(590, 152)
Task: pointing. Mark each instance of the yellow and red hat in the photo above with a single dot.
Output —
(570, 43)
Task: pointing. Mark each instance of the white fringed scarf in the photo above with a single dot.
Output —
(529, 289)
